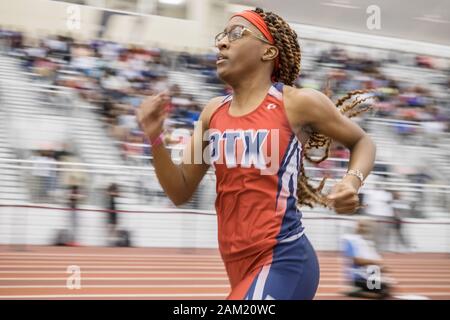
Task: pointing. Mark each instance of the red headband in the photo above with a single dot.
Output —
(256, 20)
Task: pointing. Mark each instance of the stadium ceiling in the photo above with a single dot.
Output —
(418, 20)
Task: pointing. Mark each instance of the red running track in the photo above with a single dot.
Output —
(156, 273)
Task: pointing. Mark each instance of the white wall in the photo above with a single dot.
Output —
(31, 131)
(38, 226)
(40, 17)
(370, 41)
(205, 18)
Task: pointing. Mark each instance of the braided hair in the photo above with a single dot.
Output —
(287, 72)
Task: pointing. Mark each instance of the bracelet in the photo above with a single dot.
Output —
(357, 173)
(156, 142)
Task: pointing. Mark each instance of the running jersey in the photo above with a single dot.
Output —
(257, 160)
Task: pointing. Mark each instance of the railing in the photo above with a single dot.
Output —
(139, 182)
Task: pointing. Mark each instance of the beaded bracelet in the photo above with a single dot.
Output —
(357, 173)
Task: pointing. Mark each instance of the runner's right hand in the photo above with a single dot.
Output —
(152, 113)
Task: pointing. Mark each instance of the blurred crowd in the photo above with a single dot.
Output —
(53, 173)
(116, 78)
(419, 115)
(397, 99)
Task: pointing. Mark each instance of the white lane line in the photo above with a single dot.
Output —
(132, 286)
(445, 271)
(131, 295)
(192, 286)
(441, 265)
(187, 257)
(117, 278)
(415, 293)
(185, 269)
(112, 272)
(429, 261)
(398, 276)
(123, 255)
(400, 280)
(403, 280)
(117, 262)
(27, 254)
(114, 267)
(405, 267)
(62, 259)
(165, 295)
(337, 275)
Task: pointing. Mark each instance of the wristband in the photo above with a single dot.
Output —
(157, 141)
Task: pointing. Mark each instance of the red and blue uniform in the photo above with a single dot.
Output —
(257, 160)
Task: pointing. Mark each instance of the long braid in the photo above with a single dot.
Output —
(289, 69)
(289, 49)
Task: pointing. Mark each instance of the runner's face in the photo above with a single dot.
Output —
(241, 54)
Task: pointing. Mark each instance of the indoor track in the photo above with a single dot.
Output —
(149, 273)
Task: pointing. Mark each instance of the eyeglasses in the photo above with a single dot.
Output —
(237, 32)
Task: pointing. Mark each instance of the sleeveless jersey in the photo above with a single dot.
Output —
(257, 161)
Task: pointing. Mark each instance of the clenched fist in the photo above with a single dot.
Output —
(344, 198)
(151, 114)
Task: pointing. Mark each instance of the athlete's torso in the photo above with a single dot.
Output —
(257, 159)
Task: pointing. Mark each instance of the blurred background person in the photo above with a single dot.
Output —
(112, 222)
(364, 268)
(73, 199)
(44, 175)
(401, 210)
(378, 202)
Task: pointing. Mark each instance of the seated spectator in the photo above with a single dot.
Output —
(133, 148)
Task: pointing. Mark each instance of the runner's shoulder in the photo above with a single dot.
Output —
(210, 107)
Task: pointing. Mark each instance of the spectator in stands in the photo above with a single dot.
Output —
(400, 210)
(419, 176)
(74, 199)
(111, 196)
(73, 174)
(53, 179)
(339, 151)
(161, 84)
(424, 61)
(43, 173)
(433, 125)
(127, 118)
(133, 148)
(378, 202)
(114, 85)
